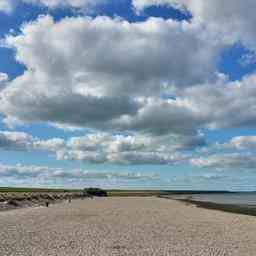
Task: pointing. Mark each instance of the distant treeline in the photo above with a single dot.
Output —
(39, 190)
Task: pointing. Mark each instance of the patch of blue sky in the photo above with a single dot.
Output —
(8, 63)
(166, 12)
(125, 10)
(224, 135)
(45, 131)
(231, 62)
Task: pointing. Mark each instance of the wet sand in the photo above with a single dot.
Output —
(125, 226)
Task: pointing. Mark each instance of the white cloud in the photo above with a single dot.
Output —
(126, 157)
(238, 143)
(156, 80)
(224, 105)
(108, 143)
(244, 142)
(226, 161)
(6, 6)
(233, 19)
(140, 5)
(154, 158)
(3, 77)
(20, 141)
(95, 81)
(106, 148)
(3, 80)
(15, 140)
(106, 70)
(248, 59)
(54, 144)
(84, 4)
(86, 156)
(40, 174)
(128, 149)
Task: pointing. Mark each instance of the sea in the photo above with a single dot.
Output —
(238, 198)
(242, 198)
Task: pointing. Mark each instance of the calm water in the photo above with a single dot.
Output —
(248, 199)
(236, 199)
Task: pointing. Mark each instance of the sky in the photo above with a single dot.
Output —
(140, 94)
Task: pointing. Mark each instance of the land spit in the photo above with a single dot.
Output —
(125, 226)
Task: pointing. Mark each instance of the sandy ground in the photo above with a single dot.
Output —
(125, 226)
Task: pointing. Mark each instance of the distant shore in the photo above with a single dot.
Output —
(231, 208)
(238, 209)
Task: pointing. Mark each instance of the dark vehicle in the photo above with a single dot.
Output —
(95, 192)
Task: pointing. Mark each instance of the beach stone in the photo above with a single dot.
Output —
(125, 226)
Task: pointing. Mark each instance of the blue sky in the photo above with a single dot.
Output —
(85, 94)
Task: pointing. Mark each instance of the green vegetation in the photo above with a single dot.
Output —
(35, 190)
(89, 191)
(124, 193)
(110, 192)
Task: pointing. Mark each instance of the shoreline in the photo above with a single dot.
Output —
(14, 201)
(230, 208)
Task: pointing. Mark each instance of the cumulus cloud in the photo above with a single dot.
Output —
(3, 77)
(108, 142)
(3, 80)
(6, 6)
(140, 5)
(238, 143)
(161, 117)
(125, 88)
(42, 173)
(156, 80)
(243, 142)
(133, 157)
(222, 105)
(128, 149)
(226, 161)
(20, 141)
(67, 3)
(15, 140)
(106, 148)
(234, 19)
(106, 70)
(225, 105)
(85, 156)
(248, 59)
(119, 88)
(49, 145)
(154, 158)
(192, 109)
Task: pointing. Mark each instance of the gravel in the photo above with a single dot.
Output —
(125, 226)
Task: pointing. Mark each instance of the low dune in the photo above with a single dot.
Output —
(14, 200)
(126, 226)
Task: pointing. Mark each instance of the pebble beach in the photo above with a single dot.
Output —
(118, 226)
